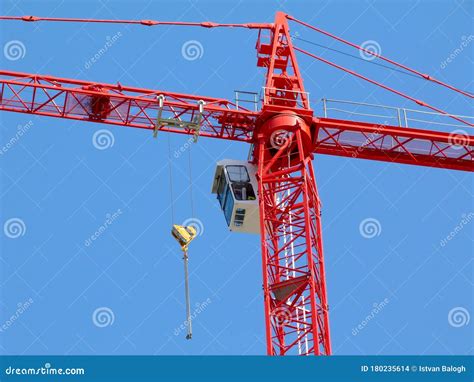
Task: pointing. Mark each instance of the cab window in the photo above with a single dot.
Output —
(238, 174)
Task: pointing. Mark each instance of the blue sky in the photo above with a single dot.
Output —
(123, 294)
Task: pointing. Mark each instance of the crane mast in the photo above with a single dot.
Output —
(285, 135)
(294, 284)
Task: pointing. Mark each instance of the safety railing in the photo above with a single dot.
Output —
(250, 100)
(390, 115)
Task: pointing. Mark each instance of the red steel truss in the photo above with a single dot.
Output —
(285, 135)
(296, 310)
(394, 144)
(124, 106)
(294, 285)
(140, 108)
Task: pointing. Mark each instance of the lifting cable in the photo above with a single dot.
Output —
(183, 235)
(170, 179)
(356, 57)
(193, 215)
(360, 48)
(419, 102)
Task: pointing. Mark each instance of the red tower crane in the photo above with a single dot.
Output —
(285, 134)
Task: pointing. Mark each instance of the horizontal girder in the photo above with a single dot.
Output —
(125, 106)
(453, 150)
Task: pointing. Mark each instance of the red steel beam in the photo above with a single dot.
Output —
(205, 24)
(124, 106)
(139, 108)
(453, 150)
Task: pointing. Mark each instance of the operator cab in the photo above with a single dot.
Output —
(236, 187)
